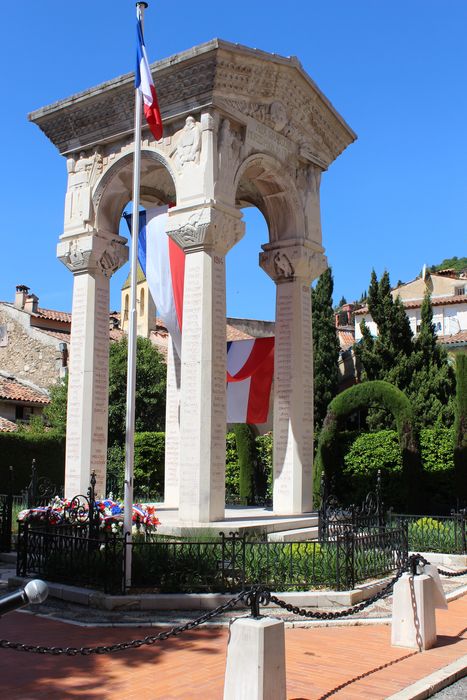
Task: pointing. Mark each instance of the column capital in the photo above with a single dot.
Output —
(207, 227)
(93, 252)
(289, 261)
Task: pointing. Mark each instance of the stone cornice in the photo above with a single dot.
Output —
(236, 78)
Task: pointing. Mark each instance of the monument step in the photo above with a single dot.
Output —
(298, 535)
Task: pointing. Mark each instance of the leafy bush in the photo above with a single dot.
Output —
(436, 449)
(148, 467)
(264, 445)
(232, 470)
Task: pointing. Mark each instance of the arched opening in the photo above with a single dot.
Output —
(113, 194)
(141, 302)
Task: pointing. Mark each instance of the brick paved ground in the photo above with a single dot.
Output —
(192, 666)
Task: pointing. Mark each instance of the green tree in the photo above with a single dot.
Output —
(418, 366)
(55, 412)
(150, 389)
(432, 384)
(325, 347)
(149, 399)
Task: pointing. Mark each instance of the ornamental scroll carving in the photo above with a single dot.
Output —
(206, 229)
(292, 262)
(92, 252)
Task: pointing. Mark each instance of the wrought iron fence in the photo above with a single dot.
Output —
(336, 519)
(227, 564)
(6, 515)
(40, 490)
(447, 534)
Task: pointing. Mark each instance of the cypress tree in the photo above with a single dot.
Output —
(418, 366)
(460, 429)
(246, 462)
(325, 347)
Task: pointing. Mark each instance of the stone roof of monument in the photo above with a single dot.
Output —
(219, 73)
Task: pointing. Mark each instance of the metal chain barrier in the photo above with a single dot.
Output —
(253, 597)
(132, 644)
(383, 593)
(442, 572)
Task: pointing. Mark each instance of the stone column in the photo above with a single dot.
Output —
(206, 235)
(92, 258)
(293, 267)
(172, 428)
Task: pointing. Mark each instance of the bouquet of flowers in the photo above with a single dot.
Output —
(109, 512)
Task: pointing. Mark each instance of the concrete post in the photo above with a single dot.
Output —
(255, 668)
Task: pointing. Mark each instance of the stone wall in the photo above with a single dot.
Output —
(28, 353)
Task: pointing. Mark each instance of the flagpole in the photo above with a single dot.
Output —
(132, 334)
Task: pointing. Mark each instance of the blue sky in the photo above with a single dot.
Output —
(395, 69)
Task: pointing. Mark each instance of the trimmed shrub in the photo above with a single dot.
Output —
(19, 449)
(363, 396)
(460, 428)
(232, 471)
(264, 446)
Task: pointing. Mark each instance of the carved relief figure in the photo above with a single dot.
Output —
(109, 260)
(283, 266)
(81, 172)
(278, 115)
(229, 147)
(189, 144)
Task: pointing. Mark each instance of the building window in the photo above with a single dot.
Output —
(141, 302)
(125, 311)
(459, 291)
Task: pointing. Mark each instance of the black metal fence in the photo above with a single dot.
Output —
(6, 515)
(447, 534)
(227, 564)
(336, 519)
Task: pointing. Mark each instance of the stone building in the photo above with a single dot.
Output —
(448, 291)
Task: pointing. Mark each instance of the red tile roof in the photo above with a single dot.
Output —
(416, 303)
(460, 337)
(7, 426)
(12, 389)
(233, 333)
(346, 339)
(53, 315)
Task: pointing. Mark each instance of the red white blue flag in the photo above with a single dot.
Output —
(250, 369)
(250, 362)
(163, 264)
(145, 84)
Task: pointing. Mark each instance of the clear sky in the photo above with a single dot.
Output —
(395, 69)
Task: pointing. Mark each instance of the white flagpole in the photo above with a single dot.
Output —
(131, 366)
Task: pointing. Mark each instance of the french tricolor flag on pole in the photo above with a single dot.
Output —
(145, 84)
(163, 264)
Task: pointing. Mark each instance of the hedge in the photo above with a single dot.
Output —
(460, 428)
(359, 397)
(368, 452)
(20, 448)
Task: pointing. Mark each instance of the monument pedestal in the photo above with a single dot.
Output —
(255, 667)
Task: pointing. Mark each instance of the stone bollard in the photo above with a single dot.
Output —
(415, 599)
(255, 668)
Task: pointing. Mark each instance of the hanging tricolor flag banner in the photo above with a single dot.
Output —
(250, 362)
(144, 83)
(250, 369)
(163, 264)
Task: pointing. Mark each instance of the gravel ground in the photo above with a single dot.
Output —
(453, 692)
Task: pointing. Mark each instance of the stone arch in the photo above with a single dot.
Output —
(114, 189)
(264, 182)
(362, 396)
